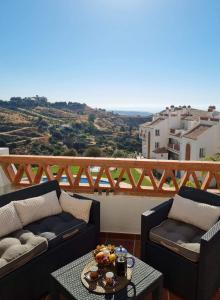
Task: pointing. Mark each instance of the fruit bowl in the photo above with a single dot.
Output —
(104, 255)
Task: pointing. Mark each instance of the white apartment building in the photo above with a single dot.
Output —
(181, 133)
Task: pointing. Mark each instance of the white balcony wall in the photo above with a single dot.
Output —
(3, 179)
(120, 213)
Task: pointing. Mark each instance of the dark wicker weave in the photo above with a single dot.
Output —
(191, 281)
(31, 281)
(67, 281)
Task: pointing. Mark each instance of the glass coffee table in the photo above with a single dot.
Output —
(66, 281)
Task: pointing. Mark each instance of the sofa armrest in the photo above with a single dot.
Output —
(150, 219)
(95, 213)
(211, 235)
(209, 262)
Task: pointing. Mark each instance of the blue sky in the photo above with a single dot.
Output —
(112, 53)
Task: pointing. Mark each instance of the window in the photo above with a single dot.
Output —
(157, 144)
(157, 132)
(201, 152)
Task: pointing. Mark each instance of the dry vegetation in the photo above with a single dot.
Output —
(61, 128)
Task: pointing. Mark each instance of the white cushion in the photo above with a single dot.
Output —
(80, 209)
(33, 209)
(9, 220)
(201, 215)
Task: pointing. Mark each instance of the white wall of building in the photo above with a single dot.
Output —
(174, 122)
(162, 139)
(174, 119)
(161, 155)
(144, 147)
(210, 140)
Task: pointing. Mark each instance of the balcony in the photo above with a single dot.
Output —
(174, 147)
(124, 187)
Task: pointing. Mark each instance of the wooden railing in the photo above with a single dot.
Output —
(125, 176)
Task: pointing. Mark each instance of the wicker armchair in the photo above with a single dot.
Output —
(189, 280)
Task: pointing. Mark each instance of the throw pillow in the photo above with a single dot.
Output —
(33, 209)
(201, 215)
(9, 220)
(78, 208)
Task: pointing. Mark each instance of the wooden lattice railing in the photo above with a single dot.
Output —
(126, 176)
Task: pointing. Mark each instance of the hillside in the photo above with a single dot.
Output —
(33, 125)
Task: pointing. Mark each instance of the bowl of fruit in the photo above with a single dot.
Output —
(104, 255)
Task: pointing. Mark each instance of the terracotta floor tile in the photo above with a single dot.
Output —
(148, 297)
(103, 235)
(137, 248)
(121, 236)
(165, 294)
(102, 240)
(174, 297)
(128, 244)
(217, 296)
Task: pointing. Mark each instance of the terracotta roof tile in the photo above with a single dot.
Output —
(155, 122)
(197, 131)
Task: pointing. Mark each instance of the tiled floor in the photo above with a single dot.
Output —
(132, 244)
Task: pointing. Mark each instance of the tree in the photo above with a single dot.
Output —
(93, 152)
(57, 135)
(119, 153)
(92, 118)
(215, 157)
(70, 152)
(2, 142)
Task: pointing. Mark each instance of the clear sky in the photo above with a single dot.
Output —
(112, 53)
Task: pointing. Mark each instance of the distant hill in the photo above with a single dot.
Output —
(33, 125)
(132, 113)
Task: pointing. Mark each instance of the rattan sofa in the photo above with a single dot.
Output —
(31, 281)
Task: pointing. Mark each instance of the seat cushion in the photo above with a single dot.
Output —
(19, 248)
(179, 237)
(56, 228)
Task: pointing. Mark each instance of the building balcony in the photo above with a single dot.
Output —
(124, 187)
(174, 147)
